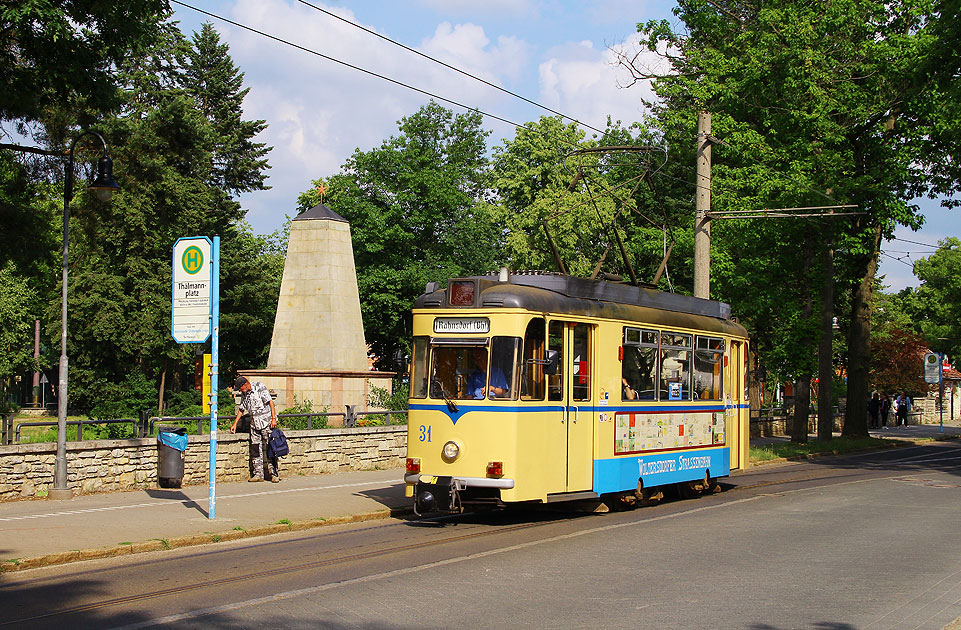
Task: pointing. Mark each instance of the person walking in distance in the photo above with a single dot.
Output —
(256, 401)
(902, 410)
(885, 410)
(874, 408)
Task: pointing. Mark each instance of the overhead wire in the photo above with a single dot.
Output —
(447, 65)
(347, 64)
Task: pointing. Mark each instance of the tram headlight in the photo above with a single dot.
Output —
(450, 452)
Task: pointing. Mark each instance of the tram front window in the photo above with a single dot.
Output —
(472, 373)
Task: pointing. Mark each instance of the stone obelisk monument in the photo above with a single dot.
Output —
(317, 351)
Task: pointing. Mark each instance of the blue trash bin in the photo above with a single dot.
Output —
(172, 445)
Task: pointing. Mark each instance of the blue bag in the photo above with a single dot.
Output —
(277, 444)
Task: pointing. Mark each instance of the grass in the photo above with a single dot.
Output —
(836, 446)
(284, 521)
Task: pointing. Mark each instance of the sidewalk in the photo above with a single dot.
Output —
(41, 532)
(912, 432)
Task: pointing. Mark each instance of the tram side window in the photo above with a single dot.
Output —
(555, 342)
(708, 372)
(505, 355)
(639, 367)
(675, 376)
(532, 375)
(581, 389)
(418, 369)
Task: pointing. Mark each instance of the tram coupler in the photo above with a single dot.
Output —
(442, 494)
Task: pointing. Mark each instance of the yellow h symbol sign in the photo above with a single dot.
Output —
(192, 259)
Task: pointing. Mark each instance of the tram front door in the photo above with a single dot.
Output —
(571, 446)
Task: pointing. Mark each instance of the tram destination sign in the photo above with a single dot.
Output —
(191, 291)
(467, 325)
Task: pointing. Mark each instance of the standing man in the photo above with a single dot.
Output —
(256, 401)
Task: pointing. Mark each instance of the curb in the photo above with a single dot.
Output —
(164, 544)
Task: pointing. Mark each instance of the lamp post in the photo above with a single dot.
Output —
(103, 187)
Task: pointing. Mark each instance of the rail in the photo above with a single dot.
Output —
(146, 425)
(77, 423)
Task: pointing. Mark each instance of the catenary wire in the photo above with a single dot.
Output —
(347, 64)
(447, 65)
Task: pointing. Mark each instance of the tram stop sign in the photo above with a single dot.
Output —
(190, 294)
(932, 365)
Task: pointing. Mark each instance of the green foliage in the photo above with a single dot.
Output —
(380, 398)
(815, 104)
(65, 53)
(216, 86)
(935, 306)
(135, 394)
(176, 179)
(16, 323)
(417, 213)
(305, 406)
(837, 446)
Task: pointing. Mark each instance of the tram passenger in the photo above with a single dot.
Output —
(477, 381)
(628, 391)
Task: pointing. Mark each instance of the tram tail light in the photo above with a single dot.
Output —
(413, 465)
(495, 469)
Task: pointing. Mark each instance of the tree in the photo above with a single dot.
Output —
(216, 86)
(65, 54)
(935, 306)
(16, 328)
(165, 149)
(810, 97)
(898, 364)
(418, 213)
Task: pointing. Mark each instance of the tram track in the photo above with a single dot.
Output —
(935, 461)
(268, 573)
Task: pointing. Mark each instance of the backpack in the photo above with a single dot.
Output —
(277, 444)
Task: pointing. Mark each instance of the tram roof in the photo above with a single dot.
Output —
(558, 293)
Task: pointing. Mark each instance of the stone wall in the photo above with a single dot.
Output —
(26, 470)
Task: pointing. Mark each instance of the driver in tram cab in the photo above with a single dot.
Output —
(477, 381)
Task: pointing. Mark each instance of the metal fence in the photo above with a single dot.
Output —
(80, 424)
(146, 425)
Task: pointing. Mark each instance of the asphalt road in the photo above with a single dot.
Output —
(869, 541)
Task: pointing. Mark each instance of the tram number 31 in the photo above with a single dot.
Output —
(424, 433)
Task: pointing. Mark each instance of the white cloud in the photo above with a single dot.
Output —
(466, 46)
(486, 8)
(584, 81)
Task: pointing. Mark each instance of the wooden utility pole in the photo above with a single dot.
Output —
(702, 224)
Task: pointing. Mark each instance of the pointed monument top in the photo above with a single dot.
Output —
(320, 211)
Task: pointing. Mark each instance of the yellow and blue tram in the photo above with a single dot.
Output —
(541, 387)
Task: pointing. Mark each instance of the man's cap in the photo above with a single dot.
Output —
(239, 382)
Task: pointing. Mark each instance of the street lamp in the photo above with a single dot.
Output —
(103, 187)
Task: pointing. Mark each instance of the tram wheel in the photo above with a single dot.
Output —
(648, 496)
(688, 489)
(711, 486)
(620, 502)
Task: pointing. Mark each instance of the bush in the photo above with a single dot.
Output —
(298, 423)
(127, 400)
(380, 398)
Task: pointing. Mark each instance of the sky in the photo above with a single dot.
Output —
(557, 53)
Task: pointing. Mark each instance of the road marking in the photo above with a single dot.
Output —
(167, 502)
(270, 599)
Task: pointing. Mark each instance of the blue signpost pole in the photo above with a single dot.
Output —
(214, 372)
